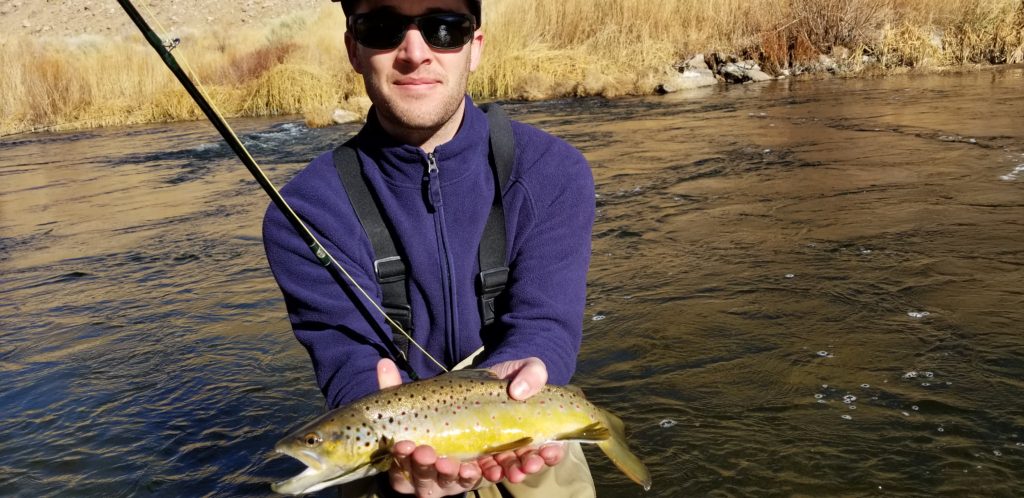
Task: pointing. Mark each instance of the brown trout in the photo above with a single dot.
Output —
(462, 415)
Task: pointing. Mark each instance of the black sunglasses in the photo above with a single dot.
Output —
(385, 30)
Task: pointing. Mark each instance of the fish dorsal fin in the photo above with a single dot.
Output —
(514, 445)
(593, 432)
(473, 374)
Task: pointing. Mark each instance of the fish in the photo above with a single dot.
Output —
(463, 415)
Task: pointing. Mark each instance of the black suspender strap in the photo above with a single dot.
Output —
(388, 266)
(493, 269)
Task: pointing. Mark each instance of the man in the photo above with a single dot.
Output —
(424, 154)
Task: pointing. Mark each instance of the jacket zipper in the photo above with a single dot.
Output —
(447, 280)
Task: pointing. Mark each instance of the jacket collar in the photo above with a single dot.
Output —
(406, 165)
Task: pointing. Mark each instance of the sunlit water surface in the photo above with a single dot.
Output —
(798, 288)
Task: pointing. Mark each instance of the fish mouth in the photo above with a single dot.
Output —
(309, 458)
(318, 474)
(315, 473)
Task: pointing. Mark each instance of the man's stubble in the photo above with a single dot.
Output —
(415, 117)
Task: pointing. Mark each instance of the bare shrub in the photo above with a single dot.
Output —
(847, 23)
(245, 67)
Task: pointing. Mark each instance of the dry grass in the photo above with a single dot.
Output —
(535, 50)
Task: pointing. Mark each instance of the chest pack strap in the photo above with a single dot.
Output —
(390, 265)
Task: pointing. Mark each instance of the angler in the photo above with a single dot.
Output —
(461, 238)
(415, 204)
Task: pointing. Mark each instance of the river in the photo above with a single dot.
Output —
(801, 288)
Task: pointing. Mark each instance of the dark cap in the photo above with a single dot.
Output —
(474, 8)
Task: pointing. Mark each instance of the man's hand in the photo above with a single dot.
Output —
(418, 470)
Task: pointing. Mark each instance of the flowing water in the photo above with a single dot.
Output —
(798, 289)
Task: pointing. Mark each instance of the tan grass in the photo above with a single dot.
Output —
(535, 49)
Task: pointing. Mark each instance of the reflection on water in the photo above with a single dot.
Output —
(800, 288)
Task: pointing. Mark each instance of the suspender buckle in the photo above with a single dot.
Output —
(389, 269)
(492, 281)
(489, 285)
(402, 315)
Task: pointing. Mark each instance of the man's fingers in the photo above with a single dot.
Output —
(424, 473)
(490, 469)
(530, 462)
(509, 463)
(552, 453)
(469, 475)
(387, 374)
(447, 472)
(401, 473)
(528, 376)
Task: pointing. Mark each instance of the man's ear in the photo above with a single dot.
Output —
(476, 50)
(351, 47)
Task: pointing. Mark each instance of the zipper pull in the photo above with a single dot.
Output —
(433, 182)
(431, 164)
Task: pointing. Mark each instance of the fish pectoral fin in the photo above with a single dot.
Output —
(514, 445)
(592, 432)
(381, 458)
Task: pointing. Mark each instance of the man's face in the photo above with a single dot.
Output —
(414, 86)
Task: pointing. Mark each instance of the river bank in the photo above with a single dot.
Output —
(266, 59)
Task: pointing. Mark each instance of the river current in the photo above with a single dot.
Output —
(802, 288)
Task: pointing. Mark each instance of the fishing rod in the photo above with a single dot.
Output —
(319, 251)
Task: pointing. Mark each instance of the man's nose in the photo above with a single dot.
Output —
(414, 48)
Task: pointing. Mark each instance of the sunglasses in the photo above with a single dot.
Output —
(385, 30)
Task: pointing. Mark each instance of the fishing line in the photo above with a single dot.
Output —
(195, 90)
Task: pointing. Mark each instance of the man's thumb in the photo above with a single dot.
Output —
(387, 374)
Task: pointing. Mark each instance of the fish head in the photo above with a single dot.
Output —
(336, 448)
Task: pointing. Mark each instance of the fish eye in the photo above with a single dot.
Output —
(312, 439)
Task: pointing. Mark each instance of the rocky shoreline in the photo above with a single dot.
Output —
(701, 71)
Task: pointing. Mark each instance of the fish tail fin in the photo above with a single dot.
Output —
(617, 451)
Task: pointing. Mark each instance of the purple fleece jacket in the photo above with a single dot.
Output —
(439, 217)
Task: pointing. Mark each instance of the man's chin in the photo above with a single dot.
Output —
(427, 113)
